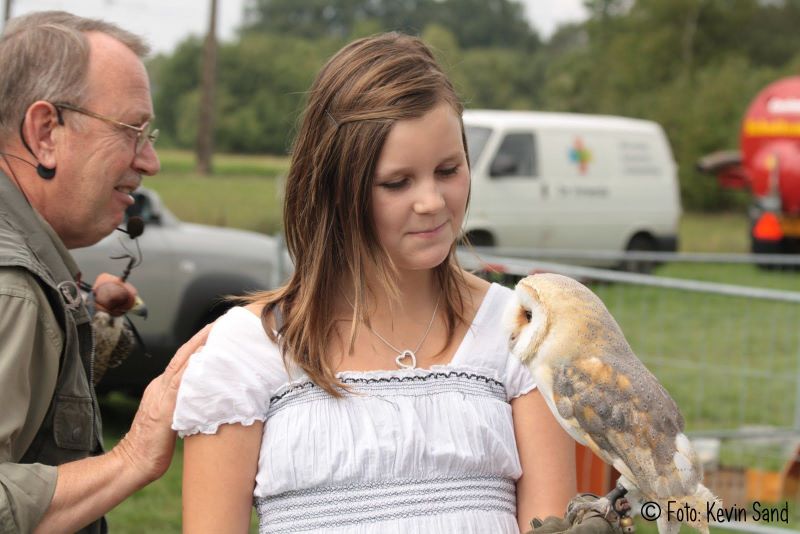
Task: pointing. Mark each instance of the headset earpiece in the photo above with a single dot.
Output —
(45, 172)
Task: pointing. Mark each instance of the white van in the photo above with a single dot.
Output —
(569, 181)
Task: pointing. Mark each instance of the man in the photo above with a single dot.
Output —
(75, 140)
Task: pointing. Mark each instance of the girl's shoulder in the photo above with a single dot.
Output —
(230, 379)
(257, 309)
(240, 325)
(475, 284)
(485, 299)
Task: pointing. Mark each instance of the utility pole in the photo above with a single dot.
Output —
(205, 131)
(7, 14)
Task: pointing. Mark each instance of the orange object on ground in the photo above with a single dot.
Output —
(594, 475)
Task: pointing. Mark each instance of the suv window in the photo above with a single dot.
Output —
(515, 157)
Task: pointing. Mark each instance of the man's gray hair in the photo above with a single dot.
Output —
(45, 56)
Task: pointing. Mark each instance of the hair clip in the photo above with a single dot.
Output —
(335, 123)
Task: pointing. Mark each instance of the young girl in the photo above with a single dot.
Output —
(374, 392)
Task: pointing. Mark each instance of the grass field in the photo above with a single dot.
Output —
(725, 360)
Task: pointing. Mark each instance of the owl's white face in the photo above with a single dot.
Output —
(526, 322)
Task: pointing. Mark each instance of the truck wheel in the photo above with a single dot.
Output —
(640, 243)
(216, 311)
(762, 246)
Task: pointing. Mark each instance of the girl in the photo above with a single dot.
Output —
(374, 392)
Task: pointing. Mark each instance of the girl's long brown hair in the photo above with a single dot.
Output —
(354, 101)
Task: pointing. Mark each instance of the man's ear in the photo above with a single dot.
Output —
(38, 130)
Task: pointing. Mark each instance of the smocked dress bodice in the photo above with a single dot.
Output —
(403, 451)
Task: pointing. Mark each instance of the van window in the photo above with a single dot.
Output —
(476, 141)
(515, 157)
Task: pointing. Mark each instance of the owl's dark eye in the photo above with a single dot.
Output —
(528, 315)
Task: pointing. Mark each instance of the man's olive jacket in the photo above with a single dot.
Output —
(48, 410)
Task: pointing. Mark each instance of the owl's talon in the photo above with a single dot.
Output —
(601, 506)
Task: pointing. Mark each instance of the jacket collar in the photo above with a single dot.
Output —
(37, 232)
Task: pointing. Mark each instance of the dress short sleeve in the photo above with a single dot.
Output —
(489, 343)
(231, 378)
(518, 379)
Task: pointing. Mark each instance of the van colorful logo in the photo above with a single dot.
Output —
(580, 155)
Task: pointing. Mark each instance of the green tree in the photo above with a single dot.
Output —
(262, 83)
(501, 79)
(307, 18)
(475, 23)
(172, 77)
(488, 23)
(449, 55)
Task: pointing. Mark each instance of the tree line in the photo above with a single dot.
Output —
(691, 65)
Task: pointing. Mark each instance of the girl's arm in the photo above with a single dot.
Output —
(547, 455)
(219, 473)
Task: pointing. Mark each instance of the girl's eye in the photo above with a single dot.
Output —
(397, 184)
(450, 171)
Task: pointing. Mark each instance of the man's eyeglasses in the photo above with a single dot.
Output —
(144, 133)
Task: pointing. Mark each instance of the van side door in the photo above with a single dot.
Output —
(513, 192)
(583, 170)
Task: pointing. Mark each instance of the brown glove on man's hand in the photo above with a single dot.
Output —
(591, 522)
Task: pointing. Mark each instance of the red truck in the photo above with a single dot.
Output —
(768, 164)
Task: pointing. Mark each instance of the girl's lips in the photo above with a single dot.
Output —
(431, 232)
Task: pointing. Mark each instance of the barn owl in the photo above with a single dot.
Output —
(604, 397)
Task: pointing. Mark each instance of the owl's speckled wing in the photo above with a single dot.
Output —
(627, 418)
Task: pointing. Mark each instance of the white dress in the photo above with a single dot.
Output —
(407, 451)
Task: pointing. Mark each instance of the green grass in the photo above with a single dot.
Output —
(727, 361)
(649, 527)
(730, 232)
(246, 202)
(744, 275)
(182, 162)
(243, 192)
(157, 507)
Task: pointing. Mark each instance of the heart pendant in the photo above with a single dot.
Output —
(406, 355)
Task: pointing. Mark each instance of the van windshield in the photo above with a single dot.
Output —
(476, 141)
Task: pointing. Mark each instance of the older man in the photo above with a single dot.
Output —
(75, 140)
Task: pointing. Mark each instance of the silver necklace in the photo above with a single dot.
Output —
(406, 354)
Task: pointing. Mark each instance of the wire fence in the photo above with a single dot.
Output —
(595, 257)
(728, 354)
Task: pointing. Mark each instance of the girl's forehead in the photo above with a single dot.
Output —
(435, 134)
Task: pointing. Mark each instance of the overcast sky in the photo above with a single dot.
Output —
(166, 22)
